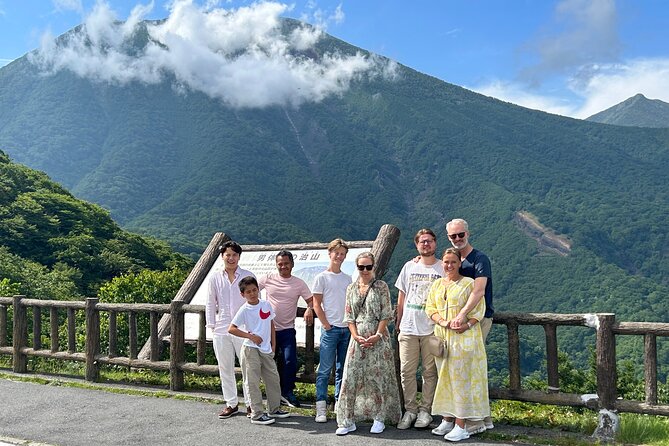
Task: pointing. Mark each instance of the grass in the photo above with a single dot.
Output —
(643, 429)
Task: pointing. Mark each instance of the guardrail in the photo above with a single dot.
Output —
(23, 346)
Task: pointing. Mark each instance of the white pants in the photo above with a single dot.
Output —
(226, 346)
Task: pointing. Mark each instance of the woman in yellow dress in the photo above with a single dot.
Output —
(462, 386)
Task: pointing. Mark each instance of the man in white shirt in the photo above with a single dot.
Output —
(223, 301)
(415, 327)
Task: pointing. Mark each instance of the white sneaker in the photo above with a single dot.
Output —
(321, 412)
(488, 423)
(458, 433)
(407, 420)
(476, 429)
(377, 427)
(343, 430)
(424, 419)
(443, 428)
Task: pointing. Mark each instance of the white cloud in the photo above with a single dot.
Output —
(517, 93)
(602, 87)
(68, 5)
(239, 56)
(577, 70)
(608, 85)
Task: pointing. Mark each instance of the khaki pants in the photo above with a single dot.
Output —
(413, 349)
(257, 365)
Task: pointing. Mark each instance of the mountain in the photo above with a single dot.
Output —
(53, 245)
(637, 111)
(408, 149)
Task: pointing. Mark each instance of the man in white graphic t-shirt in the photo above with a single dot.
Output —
(415, 327)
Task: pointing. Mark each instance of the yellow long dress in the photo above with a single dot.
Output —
(462, 387)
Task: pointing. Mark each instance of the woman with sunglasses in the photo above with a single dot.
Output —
(369, 388)
(462, 385)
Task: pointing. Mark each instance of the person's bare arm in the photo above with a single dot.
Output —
(400, 310)
(478, 291)
(236, 331)
(318, 308)
(309, 312)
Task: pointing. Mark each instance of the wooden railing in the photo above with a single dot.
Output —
(605, 326)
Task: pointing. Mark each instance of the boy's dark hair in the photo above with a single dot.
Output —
(246, 281)
(232, 245)
(284, 253)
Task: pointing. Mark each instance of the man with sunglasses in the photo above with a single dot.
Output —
(415, 328)
(476, 265)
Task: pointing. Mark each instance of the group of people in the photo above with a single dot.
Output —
(447, 300)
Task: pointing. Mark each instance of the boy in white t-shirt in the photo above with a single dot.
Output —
(329, 303)
(257, 354)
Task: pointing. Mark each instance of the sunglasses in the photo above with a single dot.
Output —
(365, 267)
(459, 234)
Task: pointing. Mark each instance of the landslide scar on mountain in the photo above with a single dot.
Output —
(547, 239)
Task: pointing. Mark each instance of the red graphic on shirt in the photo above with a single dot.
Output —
(264, 315)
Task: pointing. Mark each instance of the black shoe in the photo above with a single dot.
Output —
(262, 419)
(290, 401)
(279, 414)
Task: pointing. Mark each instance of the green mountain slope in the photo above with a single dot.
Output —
(637, 111)
(413, 151)
(56, 246)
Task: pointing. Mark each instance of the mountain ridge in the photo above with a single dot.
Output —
(637, 111)
(412, 151)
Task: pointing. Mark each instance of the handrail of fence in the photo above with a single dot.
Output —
(24, 347)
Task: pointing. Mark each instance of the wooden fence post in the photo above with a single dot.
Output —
(177, 345)
(514, 355)
(607, 378)
(552, 358)
(20, 336)
(201, 337)
(92, 339)
(71, 331)
(650, 367)
(113, 335)
(53, 323)
(155, 347)
(310, 351)
(37, 328)
(3, 326)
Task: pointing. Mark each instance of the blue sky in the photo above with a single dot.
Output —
(571, 57)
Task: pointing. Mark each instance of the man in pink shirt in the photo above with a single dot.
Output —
(283, 290)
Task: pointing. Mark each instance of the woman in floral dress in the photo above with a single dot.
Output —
(462, 386)
(369, 388)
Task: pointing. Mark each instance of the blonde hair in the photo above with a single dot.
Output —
(365, 255)
(451, 250)
(337, 243)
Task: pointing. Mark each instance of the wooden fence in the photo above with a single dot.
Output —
(27, 343)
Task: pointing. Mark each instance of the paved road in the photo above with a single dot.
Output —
(69, 416)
